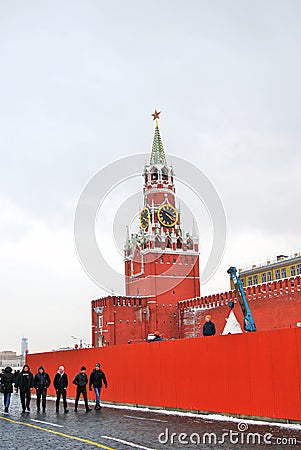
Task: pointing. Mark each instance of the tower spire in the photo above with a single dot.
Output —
(158, 154)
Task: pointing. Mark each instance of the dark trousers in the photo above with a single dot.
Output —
(60, 393)
(81, 390)
(41, 392)
(25, 396)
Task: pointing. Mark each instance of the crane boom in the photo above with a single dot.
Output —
(249, 324)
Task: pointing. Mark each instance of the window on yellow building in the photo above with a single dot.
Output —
(293, 271)
(263, 277)
(298, 269)
(255, 279)
(269, 276)
(283, 272)
(250, 281)
(277, 274)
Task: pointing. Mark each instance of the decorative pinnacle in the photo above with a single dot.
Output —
(158, 154)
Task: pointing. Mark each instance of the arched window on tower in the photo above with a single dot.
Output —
(154, 174)
(164, 174)
(157, 242)
(189, 244)
(168, 242)
(179, 242)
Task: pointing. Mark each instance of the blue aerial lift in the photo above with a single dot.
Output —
(249, 324)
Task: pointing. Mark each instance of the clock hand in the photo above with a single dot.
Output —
(169, 215)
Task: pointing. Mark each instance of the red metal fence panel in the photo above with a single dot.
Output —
(255, 374)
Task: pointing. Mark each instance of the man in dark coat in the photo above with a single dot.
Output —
(60, 383)
(25, 384)
(7, 381)
(209, 327)
(97, 377)
(41, 383)
(81, 381)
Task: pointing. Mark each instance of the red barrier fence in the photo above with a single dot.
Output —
(256, 374)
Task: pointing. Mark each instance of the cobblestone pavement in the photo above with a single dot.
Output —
(113, 428)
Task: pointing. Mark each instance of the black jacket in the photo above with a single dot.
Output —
(80, 379)
(41, 380)
(96, 379)
(7, 380)
(209, 329)
(60, 382)
(24, 380)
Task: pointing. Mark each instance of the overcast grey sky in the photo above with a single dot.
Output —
(78, 82)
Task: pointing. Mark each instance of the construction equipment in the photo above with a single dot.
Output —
(249, 324)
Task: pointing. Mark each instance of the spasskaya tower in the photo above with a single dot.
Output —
(159, 260)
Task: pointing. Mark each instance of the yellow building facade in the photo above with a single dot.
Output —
(282, 267)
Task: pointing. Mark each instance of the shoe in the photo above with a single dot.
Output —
(23, 410)
(97, 407)
(66, 411)
(38, 410)
(44, 410)
(28, 409)
(6, 409)
(89, 409)
(57, 410)
(75, 409)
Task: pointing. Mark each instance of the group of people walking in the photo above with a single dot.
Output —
(25, 381)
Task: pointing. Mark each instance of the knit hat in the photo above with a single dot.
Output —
(208, 316)
(83, 368)
(40, 367)
(62, 368)
(97, 365)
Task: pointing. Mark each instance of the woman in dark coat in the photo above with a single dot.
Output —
(7, 381)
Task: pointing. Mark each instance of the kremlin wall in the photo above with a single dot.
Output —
(274, 305)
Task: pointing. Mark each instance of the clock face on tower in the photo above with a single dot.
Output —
(144, 218)
(167, 215)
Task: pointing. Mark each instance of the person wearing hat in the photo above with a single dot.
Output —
(97, 377)
(60, 383)
(41, 383)
(81, 381)
(157, 337)
(209, 327)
